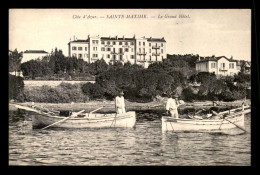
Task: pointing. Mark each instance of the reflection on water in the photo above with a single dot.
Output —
(143, 145)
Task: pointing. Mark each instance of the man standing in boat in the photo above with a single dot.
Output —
(172, 106)
(120, 103)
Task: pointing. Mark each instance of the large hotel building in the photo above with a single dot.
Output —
(142, 51)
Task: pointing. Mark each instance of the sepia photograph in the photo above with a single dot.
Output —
(129, 87)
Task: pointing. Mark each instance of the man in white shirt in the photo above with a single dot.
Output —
(120, 103)
(172, 105)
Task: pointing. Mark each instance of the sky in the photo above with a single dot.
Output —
(207, 32)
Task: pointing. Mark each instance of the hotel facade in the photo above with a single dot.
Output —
(142, 51)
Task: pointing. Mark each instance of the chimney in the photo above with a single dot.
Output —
(116, 37)
(109, 37)
(88, 36)
(231, 57)
(74, 38)
(150, 37)
(199, 58)
(162, 37)
(213, 56)
(134, 36)
(123, 37)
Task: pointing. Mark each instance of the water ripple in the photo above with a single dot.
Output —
(144, 145)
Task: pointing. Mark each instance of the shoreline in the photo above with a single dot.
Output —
(109, 106)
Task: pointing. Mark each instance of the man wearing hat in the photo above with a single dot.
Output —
(120, 103)
(172, 105)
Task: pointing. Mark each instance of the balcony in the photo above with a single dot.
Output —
(156, 54)
(117, 53)
(223, 69)
(156, 47)
(141, 53)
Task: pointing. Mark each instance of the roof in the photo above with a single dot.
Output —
(35, 51)
(206, 59)
(156, 39)
(79, 41)
(114, 38)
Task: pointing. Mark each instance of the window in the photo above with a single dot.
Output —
(132, 43)
(95, 48)
(74, 55)
(162, 44)
(108, 42)
(95, 55)
(150, 44)
(120, 50)
(114, 43)
(150, 58)
(102, 42)
(95, 41)
(79, 48)
(126, 49)
(206, 65)
(144, 50)
(86, 48)
(108, 49)
(149, 50)
(139, 50)
(120, 43)
(74, 48)
(120, 57)
(126, 43)
(143, 43)
(114, 57)
(132, 49)
(114, 50)
(80, 56)
(108, 56)
(213, 65)
(161, 50)
(139, 43)
(231, 65)
(102, 49)
(132, 57)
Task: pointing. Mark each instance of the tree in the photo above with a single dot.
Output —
(16, 86)
(15, 58)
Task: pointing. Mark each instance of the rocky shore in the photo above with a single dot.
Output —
(109, 106)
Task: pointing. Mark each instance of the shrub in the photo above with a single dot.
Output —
(188, 94)
(16, 86)
(93, 91)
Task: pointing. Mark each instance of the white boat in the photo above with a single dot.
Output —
(44, 118)
(126, 120)
(232, 120)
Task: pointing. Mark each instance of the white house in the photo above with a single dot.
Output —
(33, 54)
(221, 66)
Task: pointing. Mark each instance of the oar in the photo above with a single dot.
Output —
(93, 111)
(228, 121)
(26, 108)
(96, 109)
(73, 115)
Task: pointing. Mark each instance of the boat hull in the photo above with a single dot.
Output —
(190, 125)
(126, 120)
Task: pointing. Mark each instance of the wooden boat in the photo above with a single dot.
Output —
(234, 118)
(126, 120)
(43, 117)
